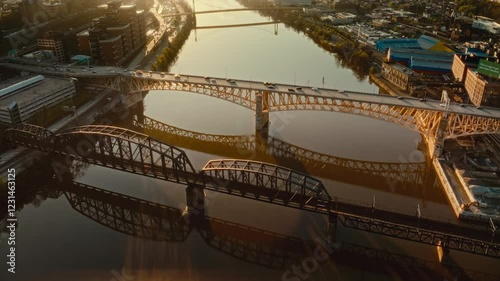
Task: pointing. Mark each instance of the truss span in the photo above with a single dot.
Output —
(31, 136)
(111, 147)
(267, 182)
(108, 145)
(422, 117)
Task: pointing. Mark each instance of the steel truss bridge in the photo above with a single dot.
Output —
(152, 221)
(434, 121)
(403, 177)
(140, 154)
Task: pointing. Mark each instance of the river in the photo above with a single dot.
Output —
(58, 241)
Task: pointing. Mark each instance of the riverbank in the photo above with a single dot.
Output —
(169, 54)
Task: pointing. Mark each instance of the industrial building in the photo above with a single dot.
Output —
(23, 97)
(424, 54)
(482, 88)
(115, 36)
(399, 75)
(481, 77)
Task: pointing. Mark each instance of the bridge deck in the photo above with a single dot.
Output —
(320, 93)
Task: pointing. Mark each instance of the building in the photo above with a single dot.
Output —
(483, 84)
(486, 24)
(399, 75)
(53, 42)
(424, 61)
(54, 8)
(83, 39)
(292, 2)
(112, 52)
(115, 36)
(463, 61)
(21, 98)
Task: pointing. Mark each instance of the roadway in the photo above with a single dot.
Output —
(320, 93)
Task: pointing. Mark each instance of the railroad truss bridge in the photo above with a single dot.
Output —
(138, 153)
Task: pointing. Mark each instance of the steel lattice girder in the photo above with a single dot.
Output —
(421, 120)
(31, 135)
(131, 148)
(127, 214)
(267, 176)
(421, 235)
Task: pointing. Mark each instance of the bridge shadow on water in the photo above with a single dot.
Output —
(416, 180)
(152, 221)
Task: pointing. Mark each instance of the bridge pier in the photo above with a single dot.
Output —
(332, 227)
(438, 145)
(262, 111)
(129, 99)
(195, 199)
(443, 252)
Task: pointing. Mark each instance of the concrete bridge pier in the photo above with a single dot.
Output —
(437, 144)
(262, 112)
(195, 199)
(129, 99)
(332, 227)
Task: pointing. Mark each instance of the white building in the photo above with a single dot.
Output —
(292, 2)
(22, 98)
(487, 24)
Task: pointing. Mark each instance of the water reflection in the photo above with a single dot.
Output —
(411, 179)
(152, 221)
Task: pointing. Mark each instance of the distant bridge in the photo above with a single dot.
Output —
(140, 154)
(237, 25)
(234, 10)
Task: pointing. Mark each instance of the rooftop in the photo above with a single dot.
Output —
(45, 86)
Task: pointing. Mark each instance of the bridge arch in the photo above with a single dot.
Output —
(133, 151)
(423, 118)
(276, 184)
(31, 136)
